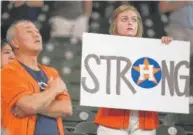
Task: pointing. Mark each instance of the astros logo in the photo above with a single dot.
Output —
(146, 72)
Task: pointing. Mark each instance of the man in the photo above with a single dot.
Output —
(70, 18)
(33, 96)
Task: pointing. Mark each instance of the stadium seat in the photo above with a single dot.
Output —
(183, 120)
(86, 127)
(170, 130)
(87, 108)
(171, 119)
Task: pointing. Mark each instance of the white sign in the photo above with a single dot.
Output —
(135, 73)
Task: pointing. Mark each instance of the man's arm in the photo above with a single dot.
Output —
(38, 3)
(35, 103)
(166, 6)
(32, 104)
(87, 7)
(58, 108)
(45, 103)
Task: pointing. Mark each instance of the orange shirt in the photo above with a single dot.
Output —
(16, 83)
(118, 118)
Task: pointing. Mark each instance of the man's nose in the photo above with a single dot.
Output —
(36, 34)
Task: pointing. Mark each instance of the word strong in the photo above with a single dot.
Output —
(119, 74)
(144, 72)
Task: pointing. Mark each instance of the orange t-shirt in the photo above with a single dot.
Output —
(16, 83)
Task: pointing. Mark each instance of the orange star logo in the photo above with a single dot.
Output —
(146, 71)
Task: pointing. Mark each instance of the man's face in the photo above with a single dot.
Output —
(28, 38)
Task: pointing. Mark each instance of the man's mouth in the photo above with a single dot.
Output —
(37, 41)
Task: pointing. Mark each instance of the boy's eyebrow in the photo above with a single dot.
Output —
(7, 50)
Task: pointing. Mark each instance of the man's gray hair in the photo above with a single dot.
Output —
(11, 31)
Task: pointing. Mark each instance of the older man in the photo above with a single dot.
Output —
(33, 96)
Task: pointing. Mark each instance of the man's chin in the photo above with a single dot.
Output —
(37, 51)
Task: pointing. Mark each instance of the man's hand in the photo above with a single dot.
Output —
(18, 112)
(56, 85)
